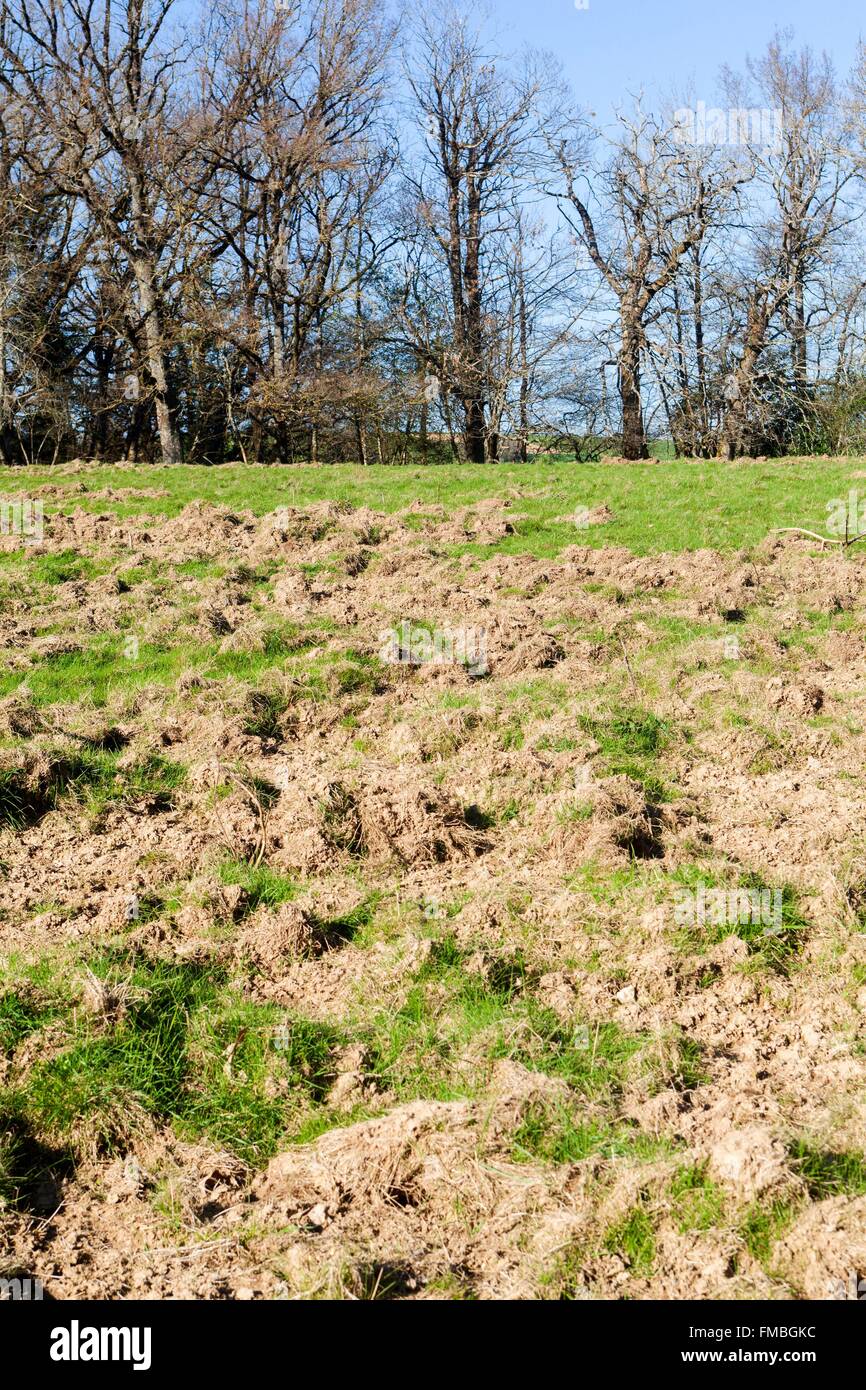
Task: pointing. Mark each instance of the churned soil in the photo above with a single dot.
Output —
(544, 1078)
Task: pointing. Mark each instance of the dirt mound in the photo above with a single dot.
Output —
(535, 653)
(824, 1254)
(751, 1159)
(19, 716)
(202, 530)
(405, 818)
(399, 1173)
(611, 821)
(276, 937)
(379, 818)
(485, 522)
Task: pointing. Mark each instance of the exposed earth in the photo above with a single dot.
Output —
(346, 871)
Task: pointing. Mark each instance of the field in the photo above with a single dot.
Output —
(433, 883)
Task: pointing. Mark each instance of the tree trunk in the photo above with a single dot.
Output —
(523, 420)
(157, 362)
(361, 438)
(472, 346)
(798, 347)
(135, 432)
(5, 402)
(700, 355)
(633, 438)
(474, 433)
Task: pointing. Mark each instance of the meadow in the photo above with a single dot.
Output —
(335, 969)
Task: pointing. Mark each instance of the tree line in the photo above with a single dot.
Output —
(308, 231)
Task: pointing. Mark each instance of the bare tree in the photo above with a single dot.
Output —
(480, 127)
(297, 178)
(803, 171)
(653, 214)
(95, 76)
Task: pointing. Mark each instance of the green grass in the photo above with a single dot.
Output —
(573, 812)
(100, 784)
(627, 734)
(776, 946)
(264, 713)
(356, 672)
(92, 674)
(557, 1135)
(607, 885)
(357, 924)
(277, 1070)
(20, 1015)
(199, 569)
(417, 1050)
(827, 1173)
(182, 1046)
(14, 800)
(633, 1239)
(698, 1202)
(629, 742)
(94, 778)
(653, 504)
(141, 574)
(65, 565)
(263, 886)
(101, 669)
(764, 1223)
(97, 1091)
(412, 1050)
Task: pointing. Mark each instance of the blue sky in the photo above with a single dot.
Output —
(618, 46)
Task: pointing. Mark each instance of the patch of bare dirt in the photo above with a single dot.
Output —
(493, 835)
